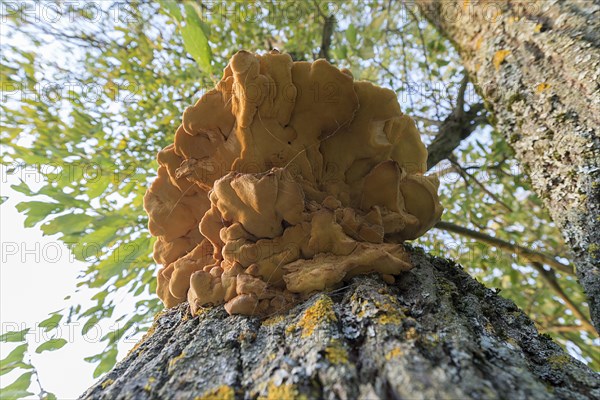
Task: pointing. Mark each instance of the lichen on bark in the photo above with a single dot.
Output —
(537, 66)
(433, 333)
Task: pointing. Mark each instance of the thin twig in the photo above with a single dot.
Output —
(462, 171)
(428, 121)
(550, 278)
(530, 255)
(406, 75)
(562, 328)
(426, 55)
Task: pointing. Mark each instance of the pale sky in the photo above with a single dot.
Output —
(36, 273)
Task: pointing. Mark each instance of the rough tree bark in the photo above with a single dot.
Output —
(435, 333)
(537, 66)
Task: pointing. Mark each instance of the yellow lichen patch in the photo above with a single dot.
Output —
(478, 42)
(282, 392)
(411, 333)
(558, 362)
(107, 383)
(395, 352)
(174, 360)
(499, 58)
(336, 353)
(273, 320)
(361, 313)
(391, 312)
(390, 318)
(247, 336)
(512, 342)
(202, 311)
(538, 28)
(223, 392)
(388, 311)
(496, 14)
(290, 329)
(541, 87)
(148, 386)
(320, 312)
(429, 341)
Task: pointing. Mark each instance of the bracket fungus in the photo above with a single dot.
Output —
(282, 181)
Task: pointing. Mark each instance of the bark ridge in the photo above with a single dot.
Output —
(537, 66)
(434, 333)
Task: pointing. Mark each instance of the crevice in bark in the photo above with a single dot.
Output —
(537, 69)
(434, 333)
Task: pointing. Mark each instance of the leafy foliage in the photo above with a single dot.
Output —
(15, 361)
(97, 119)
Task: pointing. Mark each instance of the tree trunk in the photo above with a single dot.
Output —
(537, 66)
(434, 333)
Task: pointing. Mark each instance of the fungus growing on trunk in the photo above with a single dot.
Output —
(282, 181)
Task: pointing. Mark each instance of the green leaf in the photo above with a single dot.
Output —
(14, 360)
(340, 52)
(6, 368)
(351, 35)
(107, 361)
(51, 345)
(514, 277)
(96, 188)
(37, 211)
(22, 188)
(195, 40)
(67, 224)
(3, 199)
(366, 52)
(172, 8)
(14, 336)
(378, 21)
(127, 254)
(18, 389)
(16, 355)
(90, 323)
(101, 236)
(51, 322)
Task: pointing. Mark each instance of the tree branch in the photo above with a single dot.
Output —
(562, 328)
(453, 130)
(536, 260)
(460, 100)
(530, 255)
(428, 121)
(328, 24)
(550, 278)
